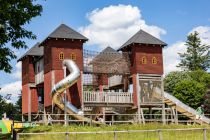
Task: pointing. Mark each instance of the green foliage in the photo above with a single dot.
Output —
(197, 55)
(190, 92)
(18, 109)
(14, 15)
(2, 105)
(200, 76)
(12, 111)
(7, 108)
(173, 78)
(189, 87)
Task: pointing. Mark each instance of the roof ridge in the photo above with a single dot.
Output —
(143, 37)
(32, 51)
(65, 32)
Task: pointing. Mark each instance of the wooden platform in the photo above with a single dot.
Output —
(108, 99)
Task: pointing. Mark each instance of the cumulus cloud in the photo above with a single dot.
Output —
(17, 73)
(13, 88)
(170, 53)
(171, 56)
(113, 25)
(204, 33)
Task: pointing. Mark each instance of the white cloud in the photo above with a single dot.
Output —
(13, 88)
(204, 33)
(170, 54)
(113, 25)
(17, 73)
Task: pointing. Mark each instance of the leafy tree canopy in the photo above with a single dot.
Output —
(7, 108)
(14, 14)
(173, 78)
(189, 87)
(190, 92)
(200, 76)
(197, 55)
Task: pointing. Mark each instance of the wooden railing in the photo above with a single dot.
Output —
(107, 97)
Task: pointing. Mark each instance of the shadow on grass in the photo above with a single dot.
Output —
(5, 136)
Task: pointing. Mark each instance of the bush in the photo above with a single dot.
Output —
(174, 78)
(190, 92)
(200, 76)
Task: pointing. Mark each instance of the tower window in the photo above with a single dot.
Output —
(144, 60)
(73, 56)
(154, 60)
(61, 56)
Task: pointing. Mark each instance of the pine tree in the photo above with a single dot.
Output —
(197, 55)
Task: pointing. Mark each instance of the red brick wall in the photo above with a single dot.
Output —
(47, 59)
(25, 99)
(34, 100)
(28, 72)
(134, 90)
(54, 47)
(47, 89)
(25, 96)
(149, 51)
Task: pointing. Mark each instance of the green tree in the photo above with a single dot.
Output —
(174, 78)
(7, 108)
(2, 105)
(197, 55)
(18, 109)
(200, 76)
(14, 14)
(190, 92)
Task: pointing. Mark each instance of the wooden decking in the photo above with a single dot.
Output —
(109, 99)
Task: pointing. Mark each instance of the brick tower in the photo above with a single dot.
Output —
(62, 43)
(145, 56)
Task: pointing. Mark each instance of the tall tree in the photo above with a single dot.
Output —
(197, 55)
(14, 14)
(18, 108)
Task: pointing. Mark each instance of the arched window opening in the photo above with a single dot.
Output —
(73, 56)
(61, 56)
(144, 60)
(154, 60)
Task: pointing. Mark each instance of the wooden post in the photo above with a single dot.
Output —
(115, 135)
(29, 103)
(91, 118)
(82, 98)
(163, 107)
(177, 119)
(138, 97)
(104, 114)
(150, 112)
(52, 85)
(160, 135)
(67, 135)
(204, 134)
(112, 119)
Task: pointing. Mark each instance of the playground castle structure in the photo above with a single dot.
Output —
(126, 80)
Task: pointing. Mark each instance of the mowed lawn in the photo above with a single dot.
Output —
(148, 135)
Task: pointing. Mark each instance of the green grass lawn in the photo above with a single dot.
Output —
(166, 135)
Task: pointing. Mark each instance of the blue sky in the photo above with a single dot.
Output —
(171, 21)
